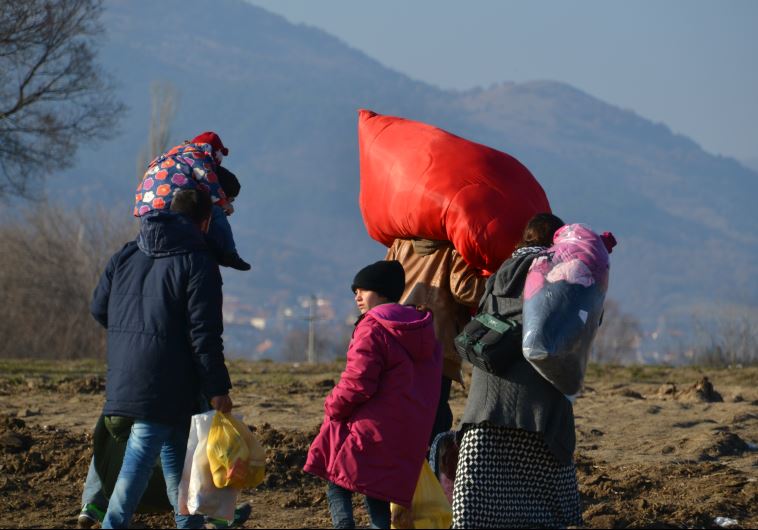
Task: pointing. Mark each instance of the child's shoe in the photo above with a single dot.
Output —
(90, 516)
(233, 260)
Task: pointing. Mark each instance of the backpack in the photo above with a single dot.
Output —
(490, 341)
(109, 440)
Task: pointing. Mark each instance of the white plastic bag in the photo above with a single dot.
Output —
(197, 493)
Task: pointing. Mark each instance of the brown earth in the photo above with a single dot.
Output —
(656, 447)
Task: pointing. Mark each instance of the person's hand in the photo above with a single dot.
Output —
(222, 403)
(228, 208)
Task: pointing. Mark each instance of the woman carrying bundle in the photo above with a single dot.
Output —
(515, 468)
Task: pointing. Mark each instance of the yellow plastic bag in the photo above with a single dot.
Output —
(197, 492)
(429, 508)
(236, 457)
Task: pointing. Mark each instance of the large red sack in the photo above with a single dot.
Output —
(420, 181)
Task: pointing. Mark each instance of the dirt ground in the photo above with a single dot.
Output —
(656, 447)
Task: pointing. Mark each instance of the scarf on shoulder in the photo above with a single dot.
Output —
(524, 251)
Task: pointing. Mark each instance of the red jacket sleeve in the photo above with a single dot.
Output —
(359, 381)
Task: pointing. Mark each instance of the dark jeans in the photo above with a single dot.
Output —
(220, 231)
(443, 422)
(341, 508)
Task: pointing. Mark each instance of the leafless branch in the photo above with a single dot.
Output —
(164, 100)
(53, 96)
(51, 261)
(618, 339)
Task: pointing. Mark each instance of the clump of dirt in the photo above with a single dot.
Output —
(286, 451)
(744, 417)
(629, 393)
(324, 384)
(11, 440)
(82, 385)
(722, 444)
(701, 392)
(663, 496)
(666, 390)
(45, 460)
(295, 387)
(34, 455)
(94, 384)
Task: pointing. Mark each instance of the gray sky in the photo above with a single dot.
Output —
(690, 64)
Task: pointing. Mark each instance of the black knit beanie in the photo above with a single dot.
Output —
(228, 181)
(386, 278)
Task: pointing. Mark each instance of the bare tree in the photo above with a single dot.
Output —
(295, 346)
(725, 337)
(50, 264)
(619, 336)
(164, 100)
(329, 344)
(53, 96)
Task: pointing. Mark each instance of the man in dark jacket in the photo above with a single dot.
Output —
(160, 300)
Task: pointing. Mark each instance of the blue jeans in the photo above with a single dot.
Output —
(147, 440)
(341, 508)
(220, 231)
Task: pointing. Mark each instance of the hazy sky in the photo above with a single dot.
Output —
(690, 64)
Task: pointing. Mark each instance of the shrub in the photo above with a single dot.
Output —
(51, 261)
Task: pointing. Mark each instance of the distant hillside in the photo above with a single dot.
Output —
(681, 215)
(284, 99)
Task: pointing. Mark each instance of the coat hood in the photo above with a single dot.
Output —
(508, 282)
(413, 329)
(165, 233)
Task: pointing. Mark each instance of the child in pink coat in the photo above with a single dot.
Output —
(379, 416)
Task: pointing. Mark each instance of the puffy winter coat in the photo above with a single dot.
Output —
(160, 300)
(186, 166)
(522, 399)
(379, 416)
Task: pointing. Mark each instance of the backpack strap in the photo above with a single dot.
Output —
(487, 293)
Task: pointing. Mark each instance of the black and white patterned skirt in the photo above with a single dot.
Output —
(508, 478)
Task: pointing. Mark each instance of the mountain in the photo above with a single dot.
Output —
(284, 99)
(681, 215)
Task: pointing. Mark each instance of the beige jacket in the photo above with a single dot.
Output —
(437, 277)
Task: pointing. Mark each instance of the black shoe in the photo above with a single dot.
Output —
(241, 515)
(233, 260)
